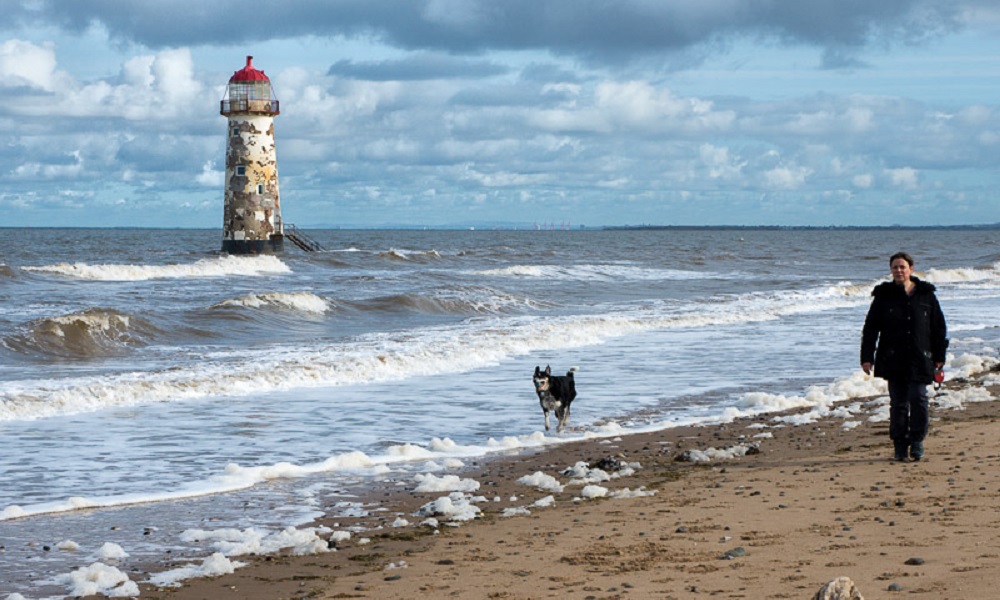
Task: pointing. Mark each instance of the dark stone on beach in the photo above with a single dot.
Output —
(895, 587)
(681, 529)
(686, 456)
(914, 561)
(736, 552)
(393, 578)
(608, 463)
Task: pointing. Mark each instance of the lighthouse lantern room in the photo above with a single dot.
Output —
(252, 215)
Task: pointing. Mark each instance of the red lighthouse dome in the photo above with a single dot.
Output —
(249, 73)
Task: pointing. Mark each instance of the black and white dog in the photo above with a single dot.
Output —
(555, 393)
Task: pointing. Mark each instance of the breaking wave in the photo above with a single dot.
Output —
(964, 275)
(221, 266)
(395, 254)
(600, 273)
(91, 333)
(303, 302)
(458, 300)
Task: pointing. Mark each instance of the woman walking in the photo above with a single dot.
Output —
(905, 337)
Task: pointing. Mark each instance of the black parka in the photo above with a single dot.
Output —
(910, 332)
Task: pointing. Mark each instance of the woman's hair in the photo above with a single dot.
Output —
(903, 255)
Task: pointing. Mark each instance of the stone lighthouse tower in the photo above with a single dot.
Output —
(252, 217)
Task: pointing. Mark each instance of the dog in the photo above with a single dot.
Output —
(555, 393)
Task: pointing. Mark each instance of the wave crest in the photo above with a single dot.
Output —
(295, 301)
(396, 254)
(964, 275)
(221, 266)
(459, 300)
(600, 272)
(87, 334)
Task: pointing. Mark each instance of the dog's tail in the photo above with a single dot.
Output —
(572, 370)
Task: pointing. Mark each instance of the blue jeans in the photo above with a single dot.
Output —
(908, 411)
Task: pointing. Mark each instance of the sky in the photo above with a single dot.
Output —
(537, 113)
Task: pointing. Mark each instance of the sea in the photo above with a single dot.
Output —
(151, 386)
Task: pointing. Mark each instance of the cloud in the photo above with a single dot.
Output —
(211, 177)
(71, 166)
(25, 64)
(150, 87)
(420, 66)
(863, 180)
(906, 178)
(592, 29)
(719, 163)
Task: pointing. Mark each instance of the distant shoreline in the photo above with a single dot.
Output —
(803, 227)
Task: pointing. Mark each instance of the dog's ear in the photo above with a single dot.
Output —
(537, 371)
(548, 370)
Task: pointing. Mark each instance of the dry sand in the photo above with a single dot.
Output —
(819, 501)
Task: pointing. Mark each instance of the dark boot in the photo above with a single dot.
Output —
(900, 447)
(917, 450)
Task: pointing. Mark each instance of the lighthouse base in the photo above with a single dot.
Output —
(274, 245)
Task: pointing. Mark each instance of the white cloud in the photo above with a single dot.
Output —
(161, 86)
(863, 180)
(173, 77)
(786, 178)
(638, 104)
(906, 178)
(719, 163)
(859, 119)
(210, 176)
(25, 64)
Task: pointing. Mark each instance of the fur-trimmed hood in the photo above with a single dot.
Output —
(888, 288)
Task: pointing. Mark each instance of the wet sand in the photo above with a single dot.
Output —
(817, 502)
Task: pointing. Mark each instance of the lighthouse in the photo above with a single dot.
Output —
(252, 215)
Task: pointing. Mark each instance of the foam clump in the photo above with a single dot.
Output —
(213, 566)
(447, 483)
(542, 481)
(112, 551)
(593, 491)
(99, 578)
(236, 542)
(713, 454)
(454, 507)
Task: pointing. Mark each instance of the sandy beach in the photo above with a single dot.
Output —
(818, 501)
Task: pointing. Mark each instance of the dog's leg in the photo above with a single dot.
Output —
(546, 412)
(561, 418)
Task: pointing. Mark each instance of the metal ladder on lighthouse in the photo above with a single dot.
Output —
(300, 239)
